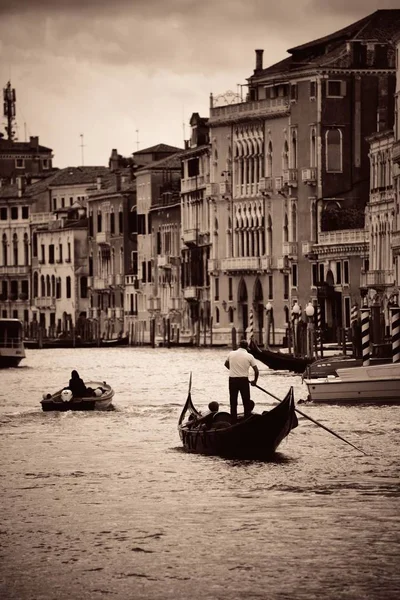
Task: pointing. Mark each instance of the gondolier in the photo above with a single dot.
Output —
(238, 362)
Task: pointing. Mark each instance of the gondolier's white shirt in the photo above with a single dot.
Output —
(239, 362)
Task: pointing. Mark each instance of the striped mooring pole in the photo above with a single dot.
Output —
(354, 313)
(251, 326)
(395, 332)
(365, 335)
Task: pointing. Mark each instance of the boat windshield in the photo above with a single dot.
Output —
(11, 333)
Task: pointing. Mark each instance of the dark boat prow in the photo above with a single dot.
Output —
(279, 361)
(256, 437)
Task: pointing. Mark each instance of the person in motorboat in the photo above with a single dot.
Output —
(238, 362)
(77, 386)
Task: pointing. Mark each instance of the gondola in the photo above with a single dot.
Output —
(279, 360)
(51, 344)
(59, 402)
(256, 437)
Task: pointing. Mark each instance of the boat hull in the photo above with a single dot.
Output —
(378, 384)
(256, 437)
(56, 403)
(279, 361)
(10, 360)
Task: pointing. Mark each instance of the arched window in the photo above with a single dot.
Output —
(48, 286)
(231, 315)
(286, 228)
(294, 223)
(15, 249)
(293, 150)
(333, 149)
(269, 237)
(313, 147)
(42, 286)
(53, 286)
(285, 156)
(26, 249)
(217, 315)
(68, 285)
(5, 253)
(35, 284)
(269, 160)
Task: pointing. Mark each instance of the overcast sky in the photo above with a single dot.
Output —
(113, 67)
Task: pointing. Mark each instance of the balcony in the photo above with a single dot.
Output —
(309, 176)
(110, 280)
(247, 110)
(176, 304)
(45, 302)
(241, 263)
(224, 188)
(110, 313)
(153, 304)
(103, 238)
(396, 152)
(265, 184)
(163, 261)
(307, 249)
(377, 279)
(190, 236)
(212, 190)
(343, 236)
(278, 183)
(212, 265)
(100, 283)
(190, 293)
(282, 263)
(290, 177)
(191, 184)
(42, 218)
(10, 270)
(90, 281)
(119, 313)
(119, 279)
(267, 263)
(396, 240)
(290, 249)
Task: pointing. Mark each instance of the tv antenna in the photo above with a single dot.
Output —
(82, 147)
(9, 110)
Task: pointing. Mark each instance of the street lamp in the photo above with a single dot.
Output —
(310, 310)
(268, 308)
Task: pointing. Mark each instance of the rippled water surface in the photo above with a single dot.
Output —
(107, 505)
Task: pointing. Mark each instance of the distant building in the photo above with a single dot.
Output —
(28, 159)
(294, 160)
(111, 250)
(396, 180)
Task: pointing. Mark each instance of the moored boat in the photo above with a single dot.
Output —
(58, 401)
(12, 349)
(256, 437)
(377, 384)
(279, 361)
(53, 343)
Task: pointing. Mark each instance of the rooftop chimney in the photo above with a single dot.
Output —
(98, 182)
(259, 60)
(34, 141)
(21, 185)
(114, 160)
(117, 181)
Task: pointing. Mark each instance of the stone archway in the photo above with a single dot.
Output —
(243, 316)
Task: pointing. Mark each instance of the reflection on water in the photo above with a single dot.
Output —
(98, 505)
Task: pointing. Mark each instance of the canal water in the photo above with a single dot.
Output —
(107, 505)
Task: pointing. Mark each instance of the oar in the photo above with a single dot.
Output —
(314, 421)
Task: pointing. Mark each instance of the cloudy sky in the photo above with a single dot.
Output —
(107, 68)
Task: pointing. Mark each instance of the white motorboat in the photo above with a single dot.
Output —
(377, 384)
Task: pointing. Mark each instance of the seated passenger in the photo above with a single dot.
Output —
(77, 387)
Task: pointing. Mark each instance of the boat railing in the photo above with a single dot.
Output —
(11, 342)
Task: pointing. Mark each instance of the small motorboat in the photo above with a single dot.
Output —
(62, 400)
(256, 437)
(376, 384)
